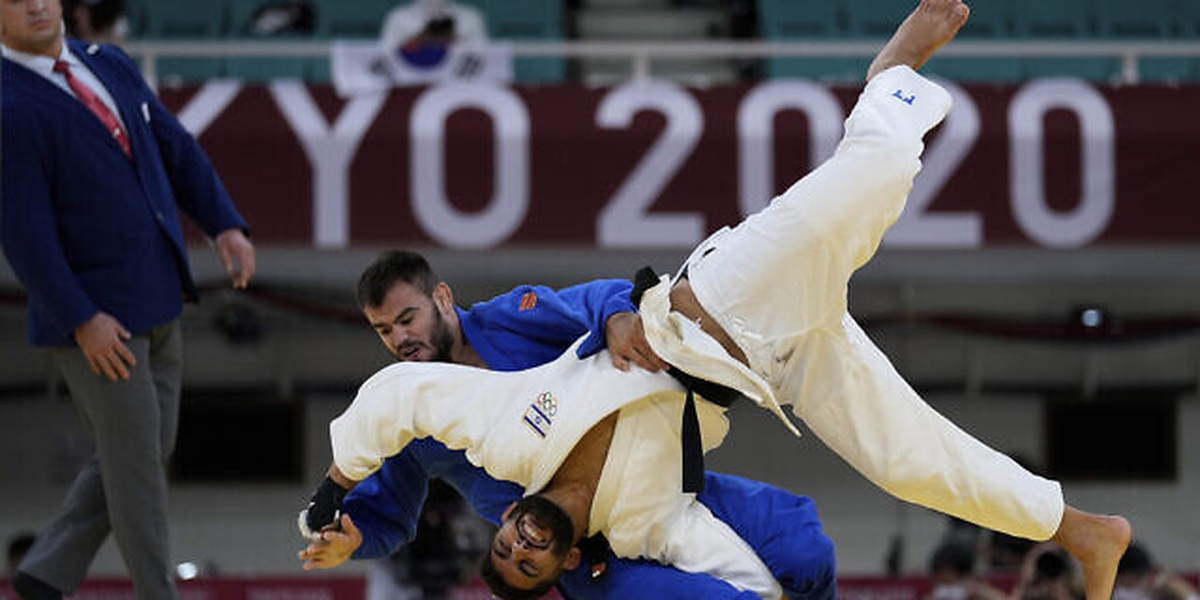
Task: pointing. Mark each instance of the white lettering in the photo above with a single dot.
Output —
(756, 135)
(209, 102)
(1094, 209)
(507, 208)
(626, 220)
(329, 151)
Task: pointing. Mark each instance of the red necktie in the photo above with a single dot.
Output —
(96, 105)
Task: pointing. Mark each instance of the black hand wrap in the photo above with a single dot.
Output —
(325, 505)
(595, 550)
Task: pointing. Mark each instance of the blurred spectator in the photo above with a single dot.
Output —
(1049, 573)
(449, 544)
(18, 545)
(1139, 579)
(431, 21)
(952, 569)
(1135, 574)
(1001, 554)
(391, 579)
(101, 21)
(283, 17)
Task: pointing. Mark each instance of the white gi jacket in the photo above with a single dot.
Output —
(520, 426)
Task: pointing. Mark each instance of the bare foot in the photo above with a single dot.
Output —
(1098, 542)
(929, 27)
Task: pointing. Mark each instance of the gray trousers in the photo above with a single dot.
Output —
(123, 488)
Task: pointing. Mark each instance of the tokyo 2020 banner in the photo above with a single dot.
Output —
(1051, 163)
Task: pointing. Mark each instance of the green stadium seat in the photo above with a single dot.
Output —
(1098, 69)
(135, 14)
(1185, 18)
(989, 20)
(1125, 19)
(1063, 19)
(876, 18)
(184, 20)
(319, 70)
(1168, 69)
(789, 20)
(976, 69)
(825, 70)
(259, 68)
(783, 20)
(362, 19)
(527, 20)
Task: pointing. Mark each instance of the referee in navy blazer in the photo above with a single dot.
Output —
(94, 172)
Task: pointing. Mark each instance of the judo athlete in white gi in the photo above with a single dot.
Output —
(760, 308)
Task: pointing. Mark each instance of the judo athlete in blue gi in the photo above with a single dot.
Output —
(416, 318)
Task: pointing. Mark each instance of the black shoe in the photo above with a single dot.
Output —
(28, 587)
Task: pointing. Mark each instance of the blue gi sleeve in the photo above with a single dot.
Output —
(600, 300)
(783, 529)
(532, 325)
(387, 505)
(633, 578)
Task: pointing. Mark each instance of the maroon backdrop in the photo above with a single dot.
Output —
(572, 166)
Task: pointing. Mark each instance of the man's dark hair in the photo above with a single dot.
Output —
(1136, 561)
(390, 267)
(500, 589)
(103, 14)
(1051, 564)
(953, 556)
(18, 546)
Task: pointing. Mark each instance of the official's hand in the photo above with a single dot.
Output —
(334, 547)
(100, 339)
(627, 343)
(237, 255)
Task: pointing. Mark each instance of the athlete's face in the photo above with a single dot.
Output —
(411, 324)
(32, 26)
(534, 544)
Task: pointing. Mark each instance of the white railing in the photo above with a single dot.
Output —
(642, 54)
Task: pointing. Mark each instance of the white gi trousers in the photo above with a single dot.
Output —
(777, 285)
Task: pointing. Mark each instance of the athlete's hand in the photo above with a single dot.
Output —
(102, 340)
(334, 547)
(627, 343)
(324, 509)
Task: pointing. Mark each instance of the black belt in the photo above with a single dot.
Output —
(689, 432)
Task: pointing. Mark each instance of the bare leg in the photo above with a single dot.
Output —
(929, 27)
(1097, 542)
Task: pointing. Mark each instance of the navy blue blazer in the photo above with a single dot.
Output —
(85, 228)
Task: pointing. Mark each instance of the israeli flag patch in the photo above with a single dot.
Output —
(540, 414)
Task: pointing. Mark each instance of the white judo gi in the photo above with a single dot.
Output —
(519, 426)
(776, 284)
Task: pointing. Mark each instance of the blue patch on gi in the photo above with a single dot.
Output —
(905, 99)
